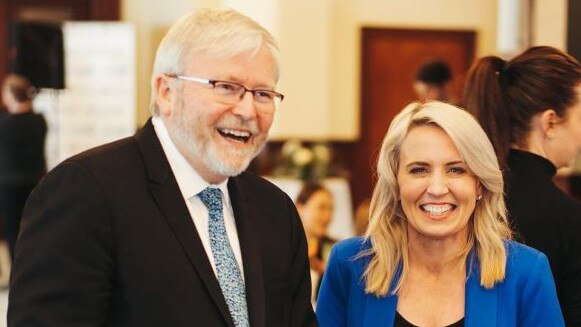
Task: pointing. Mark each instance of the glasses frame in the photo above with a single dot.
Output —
(213, 82)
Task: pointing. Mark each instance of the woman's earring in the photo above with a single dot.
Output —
(479, 197)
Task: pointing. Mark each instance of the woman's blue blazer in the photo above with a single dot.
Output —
(526, 297)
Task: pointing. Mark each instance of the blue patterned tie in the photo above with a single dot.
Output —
(227, 269)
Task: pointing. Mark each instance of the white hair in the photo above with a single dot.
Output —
(219, 33)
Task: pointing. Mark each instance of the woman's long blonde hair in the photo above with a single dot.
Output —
(387, 230)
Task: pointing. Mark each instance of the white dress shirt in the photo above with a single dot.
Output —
(190, 184)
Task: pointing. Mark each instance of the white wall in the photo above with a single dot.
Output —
(320, 42)
(152, 19)
(550, 23)
(305, 44)
(350, 15)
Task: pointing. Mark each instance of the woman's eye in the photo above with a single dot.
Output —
(418, 170)
(457, 170)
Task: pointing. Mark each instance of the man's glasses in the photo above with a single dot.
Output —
(233, 93)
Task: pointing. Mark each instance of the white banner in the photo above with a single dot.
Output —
(98, 104)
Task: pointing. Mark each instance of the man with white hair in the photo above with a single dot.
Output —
(166, 228)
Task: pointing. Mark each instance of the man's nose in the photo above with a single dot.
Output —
(246, 107)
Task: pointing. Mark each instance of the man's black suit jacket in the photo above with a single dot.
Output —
(107, 240)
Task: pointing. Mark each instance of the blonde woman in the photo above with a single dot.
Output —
(437, 251)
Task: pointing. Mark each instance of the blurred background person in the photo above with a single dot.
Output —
(530, 107)
(437, 251)
(432, 80)
(22, 161)
(315, 206)
(361, 217)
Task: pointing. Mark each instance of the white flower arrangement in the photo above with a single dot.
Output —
(300, 161)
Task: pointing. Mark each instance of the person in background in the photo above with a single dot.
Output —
(437, 251)
(530, 107)
(22, 160)
(315, 206)
(166, 228)
(431, 81)
(361, 217)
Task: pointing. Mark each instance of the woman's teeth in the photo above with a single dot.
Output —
(437, 209)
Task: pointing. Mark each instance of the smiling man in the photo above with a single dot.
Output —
(165, 228)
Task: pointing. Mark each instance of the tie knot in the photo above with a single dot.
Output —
(212, 198)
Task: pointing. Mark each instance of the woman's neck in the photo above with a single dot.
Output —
(538, 142)
(437, 255)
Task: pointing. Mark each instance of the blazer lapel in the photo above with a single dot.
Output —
(166, 193)
(481, 304)
(249, 239)
(379, 311)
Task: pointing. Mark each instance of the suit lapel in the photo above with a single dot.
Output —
(379, 311)
(166, 193)
(481, 304)
(249, 239)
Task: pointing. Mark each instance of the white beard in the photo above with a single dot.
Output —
(220, 161)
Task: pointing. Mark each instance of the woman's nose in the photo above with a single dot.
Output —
(438, 185)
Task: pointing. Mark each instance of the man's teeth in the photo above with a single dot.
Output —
(239, 135)
(437, 209)
(236, 133)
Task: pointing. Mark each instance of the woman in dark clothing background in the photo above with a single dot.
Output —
(315, 205)
(530, 107)
(22, 161)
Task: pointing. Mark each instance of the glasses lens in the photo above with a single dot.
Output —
(263, 96)
(228, 89)
(232, 93)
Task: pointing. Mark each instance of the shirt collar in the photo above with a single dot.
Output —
(188, 179)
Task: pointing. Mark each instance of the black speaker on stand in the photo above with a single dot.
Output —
(38, 53)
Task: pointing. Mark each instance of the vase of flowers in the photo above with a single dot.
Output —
(300, 161)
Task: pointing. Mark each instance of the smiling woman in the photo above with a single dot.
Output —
(438, 241)
(438, 191)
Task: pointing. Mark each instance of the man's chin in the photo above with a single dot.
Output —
(229, 168)
(227, 161)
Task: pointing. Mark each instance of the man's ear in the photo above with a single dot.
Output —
(163, 94)
(549, 119)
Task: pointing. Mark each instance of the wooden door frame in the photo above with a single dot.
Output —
(363, 156)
